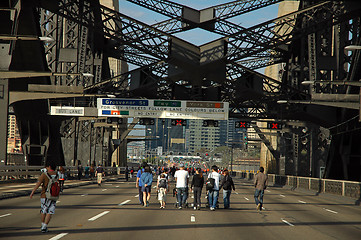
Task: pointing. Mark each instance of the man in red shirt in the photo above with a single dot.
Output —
(47, 205)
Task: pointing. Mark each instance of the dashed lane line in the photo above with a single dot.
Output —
(123, 203)
(104, 190)
(301, 201)
(246, 198)
(5, 215)
(58, 236)
(282, 195)
(328, 210)
(98, 216)
(288, 223)
(84, 195)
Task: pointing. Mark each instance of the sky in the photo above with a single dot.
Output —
(198, 36)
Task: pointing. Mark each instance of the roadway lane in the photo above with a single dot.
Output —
(112, 211)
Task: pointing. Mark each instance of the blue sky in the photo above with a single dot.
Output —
(198, 36)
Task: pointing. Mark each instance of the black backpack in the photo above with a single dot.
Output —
(210, 184)
(162, 183)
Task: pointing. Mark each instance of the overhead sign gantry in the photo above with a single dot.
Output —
(162, 108)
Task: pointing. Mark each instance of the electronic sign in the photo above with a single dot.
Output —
(178, 122)
(242, 124)
(274, 125)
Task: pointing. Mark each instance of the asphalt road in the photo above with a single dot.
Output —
(112, 211)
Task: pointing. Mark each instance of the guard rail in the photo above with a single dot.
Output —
(320, 185)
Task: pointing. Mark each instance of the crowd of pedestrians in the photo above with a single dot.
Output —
(215, 181)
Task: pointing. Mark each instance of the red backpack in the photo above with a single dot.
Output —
(53, 189)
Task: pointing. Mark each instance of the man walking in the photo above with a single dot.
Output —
(182, 178)
(214, 193)
(139, 184)
(47, 205)
(99, 173)
(260, 183)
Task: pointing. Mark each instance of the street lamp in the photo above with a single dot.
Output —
(352, 48)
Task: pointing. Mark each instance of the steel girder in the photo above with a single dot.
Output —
(315, 18)
(185, 18)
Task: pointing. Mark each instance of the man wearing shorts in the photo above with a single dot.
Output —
(47, 206)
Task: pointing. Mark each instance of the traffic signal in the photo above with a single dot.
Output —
(242, 124)
(115, 120)
(178, 122)
(274, 125)
(210, 123)
(146, 121)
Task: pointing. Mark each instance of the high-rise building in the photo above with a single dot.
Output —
(14, 140)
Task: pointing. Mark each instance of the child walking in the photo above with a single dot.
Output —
(162, 188)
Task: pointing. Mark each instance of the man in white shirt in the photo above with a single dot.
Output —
(214, 193)
(182, 178)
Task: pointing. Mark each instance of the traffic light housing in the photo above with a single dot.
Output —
(210, 123)
(146, 121)
(274, 125)
(178, 122)
(242, 124)
(115, 120)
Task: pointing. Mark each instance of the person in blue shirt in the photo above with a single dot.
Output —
(139, 184)
(147, 179)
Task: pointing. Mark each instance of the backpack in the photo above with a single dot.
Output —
(210, 184)
(162, 183)
(53, 189)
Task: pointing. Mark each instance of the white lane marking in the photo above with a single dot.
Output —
(125, 202)
(328, 210)
(246, 198)
(290, 224)
(282, 195)
(5, 215)
(301, 201)
(104, 190)
(58, 201)
(98, 216)
(268, 191)
(58, 236)
(84, 195)
(136, 195)
(193, 218)
(116, 186)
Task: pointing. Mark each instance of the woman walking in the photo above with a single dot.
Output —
(196, 186)
(147, 179)
(228, 185)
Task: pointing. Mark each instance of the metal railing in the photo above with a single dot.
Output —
(336, 187)
(29, 172)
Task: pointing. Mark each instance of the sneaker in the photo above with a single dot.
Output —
(213, 209)
(258, 207)
(147, 204)
(44, 230)
(195, 208)
(180, 207)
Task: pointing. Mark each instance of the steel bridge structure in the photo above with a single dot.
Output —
(73, 69)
